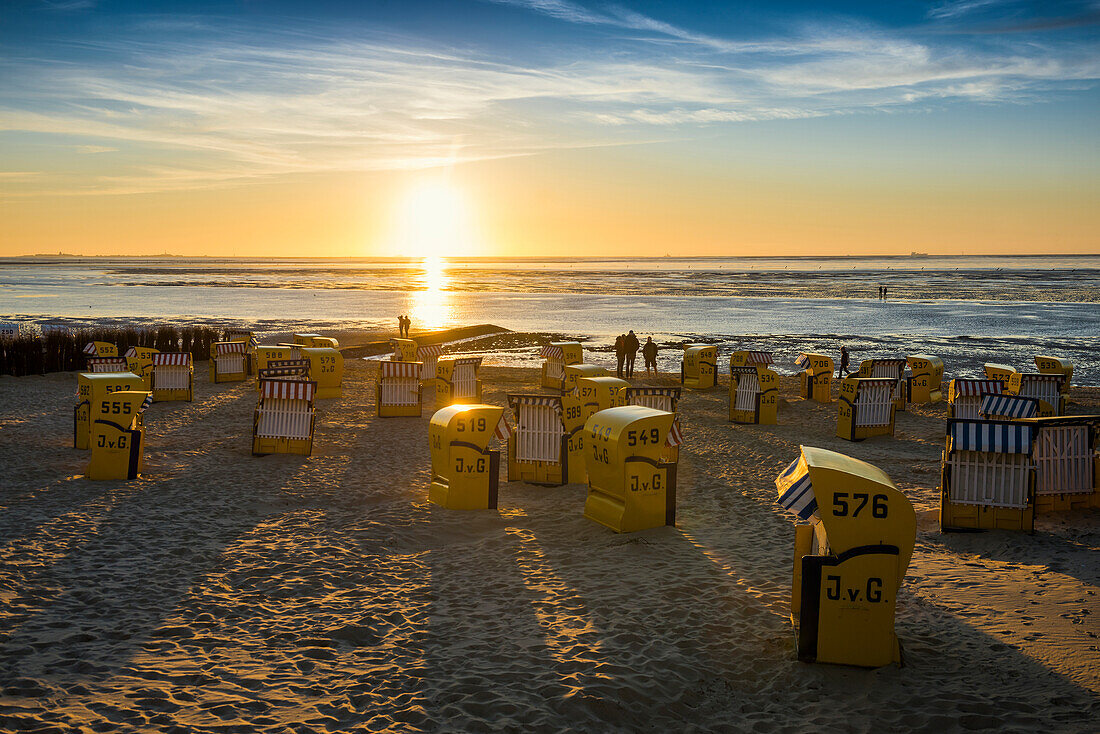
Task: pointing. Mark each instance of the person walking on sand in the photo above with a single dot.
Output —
(649, 354)
(401, 326)
(620, 354)
(631, 353)
(843, 363)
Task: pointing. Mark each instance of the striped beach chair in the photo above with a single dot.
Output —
(265, 353)
(398, 392)
(457, 381)
(251, 342)
(100, 349)
(546, 442)
(173, 376)
(753, 395)
(988, 476)
(284, 419)
(816, 377)
(555, 356)
(284, 369)
(964, 396)
(893, 369)
(139, 360)
(866, 408)
(853, 545)
(228, 361)
(751, 358)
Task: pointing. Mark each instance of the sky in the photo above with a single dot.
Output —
(548, 127)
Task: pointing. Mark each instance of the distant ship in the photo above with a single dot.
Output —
(918, 254)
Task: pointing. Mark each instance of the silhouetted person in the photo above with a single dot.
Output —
(620, 353)
(401, 325)
(843, 362)
(649, 354)
(884, 291)
(631, 344)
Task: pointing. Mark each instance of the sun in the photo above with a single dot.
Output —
(433, 220)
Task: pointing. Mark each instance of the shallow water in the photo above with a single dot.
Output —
(966, 310)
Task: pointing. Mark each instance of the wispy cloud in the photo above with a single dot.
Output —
(210, 107)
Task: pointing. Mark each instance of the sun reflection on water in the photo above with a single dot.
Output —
(431, 307)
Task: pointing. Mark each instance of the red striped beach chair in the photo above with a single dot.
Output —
(284, 419)
(173, 376)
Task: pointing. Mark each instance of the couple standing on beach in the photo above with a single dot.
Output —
(404, 323)
(626, 351)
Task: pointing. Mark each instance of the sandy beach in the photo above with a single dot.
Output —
(223, 592)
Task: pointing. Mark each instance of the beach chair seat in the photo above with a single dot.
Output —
(465, 472)
(893, 369)
(816, 377)
(964, 396)
(629, 488)
(699, 366)
(92, 389)
(852, 550)
(117, 436)
(100, 349)
(172, 376)
(866, 408)
(988, 475)
(228, 361)
(284, 419)
(994, 371)
(1046, 388)
(398, 392)
(1067, 462)
(555, 356)
(753, 395)
(546, 443)
(925, 383)
(249, 338)
(107, 364)
(457, 380)
(1007, 407)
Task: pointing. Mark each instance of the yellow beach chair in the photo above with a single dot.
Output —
(326, 368)
(866, 408)
(816, 376)
(139, 360)
(699, 366)
(284, 419)
(1046, 388)
(228, 361)
(465, 473)
(94, 389)
(849, 560)
(629, 487)
(547, 444)
(599, 393)
(987, 478)
(964, 396)
(457, 381)
(659, 398)
(753, 395)
(574, 372)
(398, 392)
(555, 356)
(893, 369)
(925, 383)
(751, 358)
(117, 436)
(173, 376)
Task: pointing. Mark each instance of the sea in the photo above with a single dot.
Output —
(965, 309)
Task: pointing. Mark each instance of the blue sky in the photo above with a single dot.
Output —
(110, 97)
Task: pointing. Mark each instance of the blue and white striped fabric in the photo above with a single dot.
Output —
(996, 437)
(253, 342)
(1008, 406)
(146, 403)
(802, 360)
(796, 494)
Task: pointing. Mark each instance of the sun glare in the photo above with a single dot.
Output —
(434, 221)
